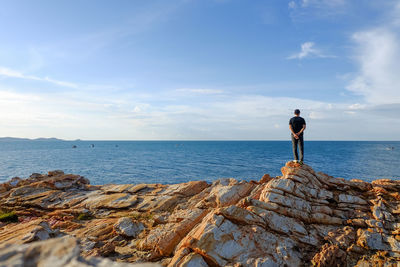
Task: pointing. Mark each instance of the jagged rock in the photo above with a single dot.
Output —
(109, 201)
(224, 192)
(20, 233)
(302, 217)
(266, 178)
(330, 255)
(58, 252)
(126, 227)
(164, 238)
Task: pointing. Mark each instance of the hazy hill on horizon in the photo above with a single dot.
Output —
(8, 139)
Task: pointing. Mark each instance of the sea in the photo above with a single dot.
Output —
(167, 162)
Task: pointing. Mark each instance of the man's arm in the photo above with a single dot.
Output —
(294, 134)
(302, 129)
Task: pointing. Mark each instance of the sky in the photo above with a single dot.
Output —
(199, 69)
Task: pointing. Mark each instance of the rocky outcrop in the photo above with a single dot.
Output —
(302, 218)
(57, 252)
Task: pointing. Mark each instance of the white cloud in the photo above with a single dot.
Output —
(7, 97)
(228, 116)
(137, 109)
(7, 72)
(11, 73)
(60, 83)
(292, 4)
(316, 115)
(377, 53)
(308, 50)
(357, 106)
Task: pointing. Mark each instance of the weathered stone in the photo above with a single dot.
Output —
(125, 226)
(20, 233)
(225, 192)
(330, 255)
(290, 220)
(240, 216)
(58, 252)
(266, 178)
(287, 201)
(164, 238)
(370, 239)
(55, 173)
(351, 199)
(281, 224)
(110, 201)
(187, 189)
(117, 188)
(193, 260)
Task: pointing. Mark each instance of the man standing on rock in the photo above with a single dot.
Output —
(297, 125)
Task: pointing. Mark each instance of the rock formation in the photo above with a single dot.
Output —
(301, 218)
(55, 252)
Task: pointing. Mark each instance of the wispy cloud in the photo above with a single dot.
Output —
(377, 53)
(7, 72)
(308, 50)
(292, 4)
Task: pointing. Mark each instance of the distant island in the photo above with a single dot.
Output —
(9, 139)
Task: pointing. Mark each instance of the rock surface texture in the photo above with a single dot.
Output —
(302, 218)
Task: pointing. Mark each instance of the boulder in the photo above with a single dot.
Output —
(125, 226)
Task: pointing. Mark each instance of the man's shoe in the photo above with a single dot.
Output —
(295, 161)
(301, 162)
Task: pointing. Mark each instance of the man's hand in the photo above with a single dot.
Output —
(296, 136)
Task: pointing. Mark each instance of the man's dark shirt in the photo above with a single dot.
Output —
(297, 124)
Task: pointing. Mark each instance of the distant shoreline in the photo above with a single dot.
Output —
(8, 139)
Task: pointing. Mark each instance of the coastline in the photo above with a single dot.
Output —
(300, 218)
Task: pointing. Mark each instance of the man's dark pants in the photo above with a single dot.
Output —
(300, 142)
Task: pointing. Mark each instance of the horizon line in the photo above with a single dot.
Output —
(192, 140)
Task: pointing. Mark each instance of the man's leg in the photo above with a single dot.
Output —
(301, 146)
(294, 145)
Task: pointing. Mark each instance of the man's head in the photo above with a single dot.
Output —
(297, 112)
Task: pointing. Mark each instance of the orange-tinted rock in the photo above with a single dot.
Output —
(330, 255)
(57, 252)
(266, 178)
(300, 217)
(164, 238)
(26, 232)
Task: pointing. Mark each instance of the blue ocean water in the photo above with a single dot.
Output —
(105, 162)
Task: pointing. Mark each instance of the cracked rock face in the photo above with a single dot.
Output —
(302, 218)
(57, 252)
(126, 227)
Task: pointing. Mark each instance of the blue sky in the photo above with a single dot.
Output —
(209, 69)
